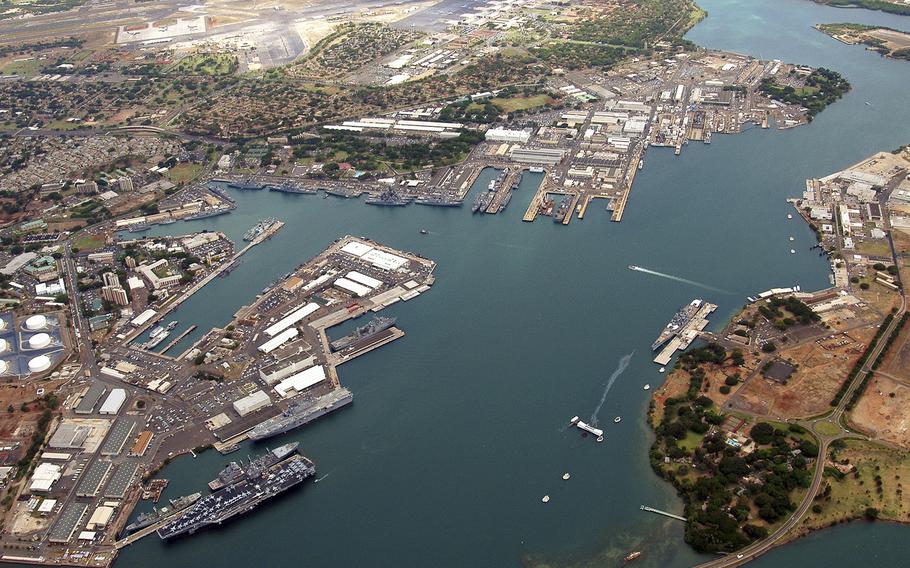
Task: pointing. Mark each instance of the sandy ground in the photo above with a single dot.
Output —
(882, 411)
(809, 391)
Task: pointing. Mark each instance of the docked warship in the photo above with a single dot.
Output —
(389, 198)
(298, 414)
(439, 201)
(148, 519)
(677, 322)
(235, 472)
(240, 498)
(376, 325)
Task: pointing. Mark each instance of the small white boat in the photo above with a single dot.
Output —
(792, 251)
(566, 476)
(662, 369)
(647, 387)
(792, 239)
(789, 215)
(617, 419)
(600, 438)
(546, 499)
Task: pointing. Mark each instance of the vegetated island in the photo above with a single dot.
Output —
(900, 8)
(821, 88)
(886, 41)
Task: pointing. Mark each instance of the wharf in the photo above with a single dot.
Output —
(630, 178)
(502, 191)
(534, 206)
(687, 334)
(466, 185)
(664, 513)
(177, 339)
(568, 218)
(381, 339)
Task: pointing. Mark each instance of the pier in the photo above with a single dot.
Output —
(177, 339)
(664, 513)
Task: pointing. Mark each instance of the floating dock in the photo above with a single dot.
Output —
(664, 513)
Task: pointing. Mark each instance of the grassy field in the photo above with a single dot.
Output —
(25, 67)
(513, 104)
(877, 483)
(184, 172)
(89, 242)
(216, 64)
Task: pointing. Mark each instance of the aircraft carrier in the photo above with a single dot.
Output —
(376, 325)
(299, 414)
(240, 498)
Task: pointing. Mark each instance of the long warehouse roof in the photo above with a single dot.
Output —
(291, 319)
(278, 340)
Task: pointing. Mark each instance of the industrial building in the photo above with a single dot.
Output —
(44, 477)
(291, 319)
(506, 135)
(277, 341)
(113, 402)
(298, 383)
(252, 403)
(537, 156)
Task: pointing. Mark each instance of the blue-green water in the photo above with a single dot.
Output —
(458, 429)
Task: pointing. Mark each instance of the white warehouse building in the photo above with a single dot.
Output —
(252, 403)
(507, 135)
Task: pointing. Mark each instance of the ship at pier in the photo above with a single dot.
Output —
(677, 322)
(240, 498)
(376, 325)
(298, 414)
(235, 472)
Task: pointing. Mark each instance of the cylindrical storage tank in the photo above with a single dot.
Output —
(39, 363)
(39, 341)
(36, 322)
(4, 367)
(2, 324)
(3, 345)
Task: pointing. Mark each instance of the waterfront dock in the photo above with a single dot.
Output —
(687, 334)
(177, 339)
(664, 513)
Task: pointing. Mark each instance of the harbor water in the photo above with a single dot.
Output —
(458, 429)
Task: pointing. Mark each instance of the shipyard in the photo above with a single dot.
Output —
(271, 370)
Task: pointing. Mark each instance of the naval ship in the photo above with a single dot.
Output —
(376, 325)
(234, 472)
(299, 414)
(559, 214)
(148, 519)
(389, 198)
(677, 322)
(240, 497)
(439, 201)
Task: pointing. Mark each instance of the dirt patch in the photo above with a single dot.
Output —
(822, 366)
(882, 410)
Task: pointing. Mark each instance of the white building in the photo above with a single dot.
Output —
(506, 135)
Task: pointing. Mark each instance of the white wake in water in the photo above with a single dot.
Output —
(679, 279)
(623, 363)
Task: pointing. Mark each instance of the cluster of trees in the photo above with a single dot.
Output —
(883, 5)
(570, 55)
(368, 155)
(801, 313)
(719, 503)
(637, 25)
(823, 87)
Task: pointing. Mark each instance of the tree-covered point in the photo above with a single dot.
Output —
(369, 155)
(801, 313)
(731, 497)
(578, 55)
(822, 87)
(640, 23)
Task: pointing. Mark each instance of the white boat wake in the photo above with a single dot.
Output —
(623, 364)
(679, 279)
